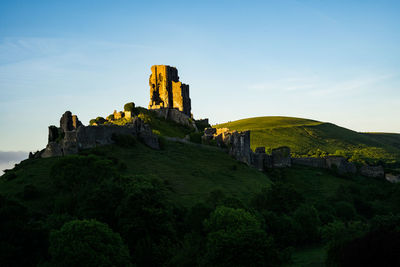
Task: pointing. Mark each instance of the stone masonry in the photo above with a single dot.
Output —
(72, 136)
(166, 91)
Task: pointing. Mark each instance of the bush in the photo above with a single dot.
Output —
(235, 238)
(196, 137)
(23, 242)
(354, 245)
(110, 117)
(87, 243)
(8, 175)
(281, 227)
(345, 210)
(71, 173)
(201, 124)
(307, 223)
(129, 107)
(280, 198)
(100, 120)
(146, 220)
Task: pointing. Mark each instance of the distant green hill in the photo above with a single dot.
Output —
(311, 137)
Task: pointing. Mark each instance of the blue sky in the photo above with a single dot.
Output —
(335, 61)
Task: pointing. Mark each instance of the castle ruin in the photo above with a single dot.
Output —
(166, 91)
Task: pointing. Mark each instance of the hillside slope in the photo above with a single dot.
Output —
(305, 136)
(191, 171)
(156, 195)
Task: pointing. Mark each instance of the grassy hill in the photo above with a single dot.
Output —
(191, 171)
(159, 201)
(305, 136)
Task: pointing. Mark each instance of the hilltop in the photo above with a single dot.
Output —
(310, 137)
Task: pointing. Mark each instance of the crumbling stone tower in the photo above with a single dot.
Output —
(166, 91)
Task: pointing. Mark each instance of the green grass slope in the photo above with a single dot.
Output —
(191, 171)
(305, 136)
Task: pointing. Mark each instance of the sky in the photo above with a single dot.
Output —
(332, 61)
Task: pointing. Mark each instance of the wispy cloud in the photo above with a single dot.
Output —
(318, 86)
(354, 85)
(287, 84)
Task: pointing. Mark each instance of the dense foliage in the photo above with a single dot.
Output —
(87, 243)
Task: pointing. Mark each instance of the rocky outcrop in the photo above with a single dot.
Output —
(392, 178)
(166, 91)
(78, 137)
(53, 149)
(176, 116)
(372, 171)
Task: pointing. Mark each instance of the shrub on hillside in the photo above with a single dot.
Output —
(307, 222)
(23, 242)
(196, 137)
(235, 237)
(110, 117)
(145, 221)
(280, 198)
(87, 243)
(129, 107)
(73, 172)
(356, 245)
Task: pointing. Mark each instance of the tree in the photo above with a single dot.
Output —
(129, 107)
(235, 238)
(344, 210)
(23, 241)
(87, 243)
(307, 222)
(280, 198)
(356, 245)
(72, 172)
(145, 221)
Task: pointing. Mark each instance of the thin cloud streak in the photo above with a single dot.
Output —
(319, 87)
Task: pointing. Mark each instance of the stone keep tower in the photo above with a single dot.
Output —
(166, 91)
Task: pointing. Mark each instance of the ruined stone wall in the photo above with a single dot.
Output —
(341, 165)
(237, 143)
(372, 171)
(239, 146)
(68, 142)
(166, 91)
(281, 157)
(310, 162)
